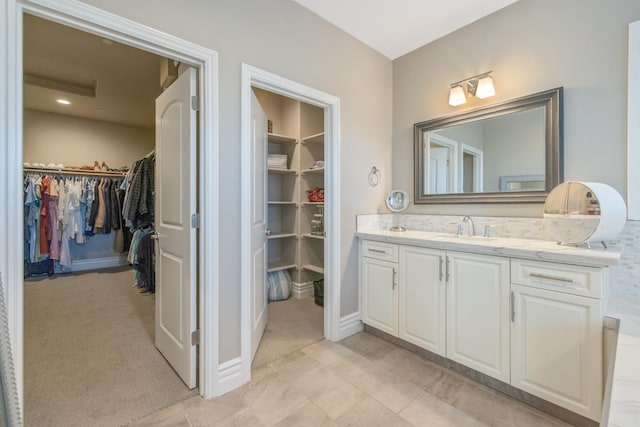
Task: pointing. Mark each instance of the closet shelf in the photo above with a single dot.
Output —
(313, 171)
(281, 236)
(281, 203)
(282, 171)
(312, 204)
(314, 268)
(312, 236)
(314, 139)
(281, 139)
(280, 266)
(67, 171)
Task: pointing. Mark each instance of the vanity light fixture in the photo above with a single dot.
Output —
(480, 86)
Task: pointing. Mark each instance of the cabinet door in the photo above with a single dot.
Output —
(557, 348)
(379, 299)
(421, 293)
(478, 313)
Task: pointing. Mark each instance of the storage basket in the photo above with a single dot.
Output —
(279, 285)
(40, 268)
(277, 161)
(318, 292)
(316, 194)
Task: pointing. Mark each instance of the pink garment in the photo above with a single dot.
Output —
(45, 232)
(52, 212)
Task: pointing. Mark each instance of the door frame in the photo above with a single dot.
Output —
(97, 21)
(255, 77)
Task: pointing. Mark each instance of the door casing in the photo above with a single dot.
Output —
(255, 77)
(97, 21)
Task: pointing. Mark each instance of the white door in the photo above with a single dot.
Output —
(478, 313)
(556, 348)
(422, 298)
(379, 301)
(439, 170)
(175, 202)
(259, 294)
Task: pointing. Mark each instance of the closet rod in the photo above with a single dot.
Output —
(64, 171)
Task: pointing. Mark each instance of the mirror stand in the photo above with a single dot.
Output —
(397, 201)
(396, 223)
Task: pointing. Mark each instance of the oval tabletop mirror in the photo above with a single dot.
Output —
(397, 201)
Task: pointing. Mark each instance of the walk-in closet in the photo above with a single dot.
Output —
(295, 225)
(89, 152)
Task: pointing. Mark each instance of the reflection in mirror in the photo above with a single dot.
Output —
(504, 153)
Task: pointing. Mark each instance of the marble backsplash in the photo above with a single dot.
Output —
(625, 278)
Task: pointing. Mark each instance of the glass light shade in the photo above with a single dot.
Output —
(457, 96)
(485, 88)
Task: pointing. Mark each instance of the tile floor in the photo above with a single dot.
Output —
(361, 381)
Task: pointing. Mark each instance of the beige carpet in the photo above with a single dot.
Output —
(293, 324)
(90, 358)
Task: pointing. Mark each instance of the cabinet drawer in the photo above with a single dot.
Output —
(571, 279)
(379, 250)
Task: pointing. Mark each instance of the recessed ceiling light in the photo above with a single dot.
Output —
(63, 101)
(107, 42)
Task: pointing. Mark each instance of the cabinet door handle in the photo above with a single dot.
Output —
(440, 265)
(513, 307)
(447, 270)
(377, 250)
(395, 282)
(544, 276)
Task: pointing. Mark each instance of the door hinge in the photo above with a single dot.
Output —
(195, 105)
(195, 220)
(195, 337)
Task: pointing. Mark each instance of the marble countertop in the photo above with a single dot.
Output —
(542, 250)
(624, 403)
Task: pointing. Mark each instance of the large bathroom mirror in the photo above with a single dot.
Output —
(505, 153)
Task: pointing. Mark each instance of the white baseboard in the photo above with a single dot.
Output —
(302, 290)
(349, 325)
(98, 263)
(229, 376)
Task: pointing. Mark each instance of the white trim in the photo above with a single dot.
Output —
(252, 76)
(478, 162)
(454, 186)
(230, 375)
(98, 263)
(87, 18)
(633, 124)
(350, 324)
(301, 290)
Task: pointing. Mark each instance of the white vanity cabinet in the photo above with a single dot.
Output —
(451, 303)
(379, 299)
(536, 325)
(556, 334)
(422, 298)
(478, 312)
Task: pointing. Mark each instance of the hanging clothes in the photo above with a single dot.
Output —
(139, 204)
(58, 209)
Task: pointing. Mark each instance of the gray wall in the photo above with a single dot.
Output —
(531, 46)
(284, 38)
(512, 146)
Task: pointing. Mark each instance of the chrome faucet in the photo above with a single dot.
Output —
(470, 229)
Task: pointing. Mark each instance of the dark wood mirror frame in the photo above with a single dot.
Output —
(550, 100)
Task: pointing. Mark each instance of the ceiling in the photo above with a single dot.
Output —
(396, 27)
(62, 61)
